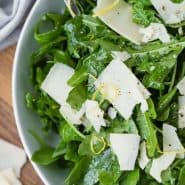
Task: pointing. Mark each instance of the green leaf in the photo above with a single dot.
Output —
(86, 33)
(79, 77)
(157, 49)
(72, 152)
(93, 65)
(142, 13)
(151, 109)
(105, 178)
(104, 163)
(160, 71)
(63, 57)
(93, 145)
(76, 175)
(60, 149)
(69, 133)
(181, 178)
(44, 156)
(130, 178)
(165, 101)
(77, 96)
(147, 132)
(119, 125)
(46, 37)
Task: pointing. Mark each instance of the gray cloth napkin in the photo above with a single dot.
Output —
(12, 17)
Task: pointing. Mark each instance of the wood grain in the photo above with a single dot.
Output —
(8, 129)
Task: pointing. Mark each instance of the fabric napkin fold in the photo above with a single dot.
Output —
(12, 16)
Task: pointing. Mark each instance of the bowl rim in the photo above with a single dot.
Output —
(14, 92)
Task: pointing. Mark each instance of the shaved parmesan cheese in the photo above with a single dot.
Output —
(123, 56)
(143, 159)
(55, 85)
(112, 113)
(94, 114)
(11, 157)
(120, 86)
(3, 180)
(181, 86)
(171, 141)
(119, 18)
(126, 147)
(71, 115)
(160, 164)
(10, 177)
(171, 13)
(153, 32)
(171, 146)
(181, 112)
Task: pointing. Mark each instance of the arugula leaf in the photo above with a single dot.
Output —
(156, 49)
(119, 125)
(147, 132)
(151, 109)
(86, 33)
(56, 20)
(94, 144)
(63, 57)
(46, 108)
(72, 152)
(130, 178)
(93, 65)
(142, 12)
(181, 178)
(160, 70)
(105, 163)
(77, 96)
(44, 156)
(165, 101)
(60, 149)
(105, 178)
(77, 173)
(69, 133)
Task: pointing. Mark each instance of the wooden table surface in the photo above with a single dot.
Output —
(8, 129)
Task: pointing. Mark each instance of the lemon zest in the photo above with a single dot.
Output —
(98, 139)
(106, 9)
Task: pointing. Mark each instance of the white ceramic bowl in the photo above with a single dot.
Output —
(25, 119)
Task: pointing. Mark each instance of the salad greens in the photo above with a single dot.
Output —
(85, 42)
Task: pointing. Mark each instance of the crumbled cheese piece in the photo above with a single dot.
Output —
(94, 114)
(171, 13)
(71, 115)
(112, 112)
(160, 164)
(153, 32)
(181, 112)
(122, 55)
(120, 86)
(126, 147)
(181, 86)
(143, 159)
(11, 157)
(119, 18)
(171, 141)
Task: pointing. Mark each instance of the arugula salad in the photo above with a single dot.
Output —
(109, 80)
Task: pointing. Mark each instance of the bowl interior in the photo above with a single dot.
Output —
(26, 119)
